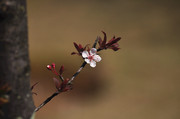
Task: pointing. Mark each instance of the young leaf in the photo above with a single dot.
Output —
(57, 83)
(61, 70)
(32, 87)
(100, 41)
(112, 41)
(80, 46)
(104, 41)
(77, 47)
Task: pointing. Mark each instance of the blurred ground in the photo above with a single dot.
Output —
(140, 81)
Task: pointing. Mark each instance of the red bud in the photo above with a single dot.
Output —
(53, 65)
(49, 67)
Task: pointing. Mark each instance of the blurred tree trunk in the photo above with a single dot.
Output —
(14, 59)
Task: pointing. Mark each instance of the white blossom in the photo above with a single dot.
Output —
(91, 57)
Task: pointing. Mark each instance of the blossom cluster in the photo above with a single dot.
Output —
(90, 57)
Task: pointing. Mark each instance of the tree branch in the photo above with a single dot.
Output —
(69, 83)
(46, 101)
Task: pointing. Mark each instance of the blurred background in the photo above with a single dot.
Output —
(140, 81)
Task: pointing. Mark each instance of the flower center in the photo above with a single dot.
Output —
(90, 57)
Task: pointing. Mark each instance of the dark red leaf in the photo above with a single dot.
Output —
(86, 47)
(77, 47)
(100, 41)
(65, 86)
(57, 83)
(73, 53)
(104, 41)
(115, 48)
(112, 41)
(80, 46)
(34, 93)
(115, 45)
(61, 70)
(32, 87)
(81, 49)
(116, 40)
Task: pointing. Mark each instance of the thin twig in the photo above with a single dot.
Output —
(95, 43)
(82, 66)
(60, 76)
(69, 82)
(46, 101)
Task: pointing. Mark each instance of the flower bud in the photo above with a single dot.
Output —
(49, 67)
(53, 65)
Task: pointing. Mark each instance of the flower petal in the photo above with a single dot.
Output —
(93, 63)
(87, 61)
(93, 51)
(85, 54)
(97, 58)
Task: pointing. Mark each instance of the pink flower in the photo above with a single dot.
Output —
(91, 57)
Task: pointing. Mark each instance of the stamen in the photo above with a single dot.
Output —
(90, 57)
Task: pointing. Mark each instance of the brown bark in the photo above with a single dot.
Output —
(14, 59)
